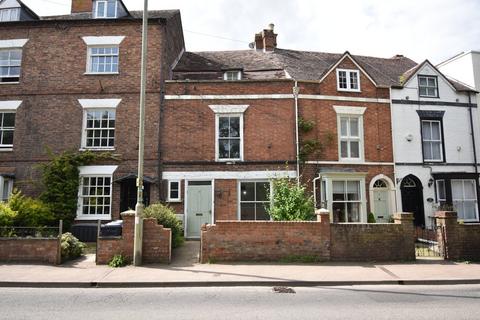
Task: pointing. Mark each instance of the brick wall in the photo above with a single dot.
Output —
(374, 242)
(264, 241)
(156, 242)
(458, 241)
(273, 241)
(31, 250)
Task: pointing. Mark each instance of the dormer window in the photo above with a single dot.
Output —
(232, 75)
(105, 9)
(348, 80)
(427, 86)
(9, 14)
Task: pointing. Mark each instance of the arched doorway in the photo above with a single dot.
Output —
(412, 198)
(381, 203)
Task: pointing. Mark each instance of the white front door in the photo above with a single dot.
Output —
(380, 204)
(199, 207)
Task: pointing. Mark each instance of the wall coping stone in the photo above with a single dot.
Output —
(446, 214)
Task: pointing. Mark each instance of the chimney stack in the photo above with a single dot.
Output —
(79, 6)
(267, 39)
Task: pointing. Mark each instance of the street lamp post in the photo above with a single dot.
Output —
(137, 242)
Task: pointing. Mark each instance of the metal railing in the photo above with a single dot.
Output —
(31, 232)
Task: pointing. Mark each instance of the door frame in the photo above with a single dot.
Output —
(419, 187)
(185, 207)
(391, 191)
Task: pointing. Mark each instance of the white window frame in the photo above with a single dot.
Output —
(431, 140)
(90, 56)
(96, 4)
(239, 196)
(238, 75)
(475, 200)
(436, 95)
(10, 107)
(85, 130)
(327, 182)
(97, 172)
(349, 83)
(179, 198)
(11, 11)
(10, 65)
(97, 105)
(348, 111)
(228, 111)
(10, 187)
(7, 147)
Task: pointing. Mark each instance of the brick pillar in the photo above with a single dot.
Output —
(128, 218)
(406, 220)
(446, 236)
(323, 215)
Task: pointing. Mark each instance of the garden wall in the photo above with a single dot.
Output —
(30, 250)
(308, 241)
(458, 241)
(157, 242)
(374, 241)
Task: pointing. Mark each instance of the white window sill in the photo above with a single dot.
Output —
(6, 149)
(432, 161)
(351, 160)
(18, 82)
(430, 97)
(174, 200)
(96, 149)
(228, 160)
(94, 217)
(349, 90)
(100, 73)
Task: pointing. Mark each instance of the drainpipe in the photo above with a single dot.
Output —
(392, 123)
(473, 141)
(296, 90)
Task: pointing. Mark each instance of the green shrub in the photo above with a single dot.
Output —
(60, 177)
(117, 261)
(7, 215)
(290, 202)
(30, 212)
(166, 217)
(371, 218)
(71, 247)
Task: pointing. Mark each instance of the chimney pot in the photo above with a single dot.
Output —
(271, 26)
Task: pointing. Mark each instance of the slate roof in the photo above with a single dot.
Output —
(152, 14)
(301, 65)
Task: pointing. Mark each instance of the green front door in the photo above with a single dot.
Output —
(199, 206)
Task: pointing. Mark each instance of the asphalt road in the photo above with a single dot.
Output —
(358, 302)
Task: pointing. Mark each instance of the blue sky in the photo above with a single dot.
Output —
(419, 29)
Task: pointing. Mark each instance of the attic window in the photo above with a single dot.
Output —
(103, 9)
(348, 80)
(427, 85)
(9, 14)
(232, 75)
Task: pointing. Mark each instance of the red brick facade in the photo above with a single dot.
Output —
(53, 79)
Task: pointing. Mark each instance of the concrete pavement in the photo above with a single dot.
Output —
(185, 271)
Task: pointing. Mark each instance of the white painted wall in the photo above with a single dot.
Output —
(457, 135)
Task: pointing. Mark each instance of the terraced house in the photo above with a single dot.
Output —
(72, 83)
(231, 124)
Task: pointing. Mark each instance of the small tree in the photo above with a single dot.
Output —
(290, 202)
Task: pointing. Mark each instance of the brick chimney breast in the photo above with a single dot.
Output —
(267, 39)
(79, 6)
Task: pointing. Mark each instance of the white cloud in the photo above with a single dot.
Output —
(433, 29)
